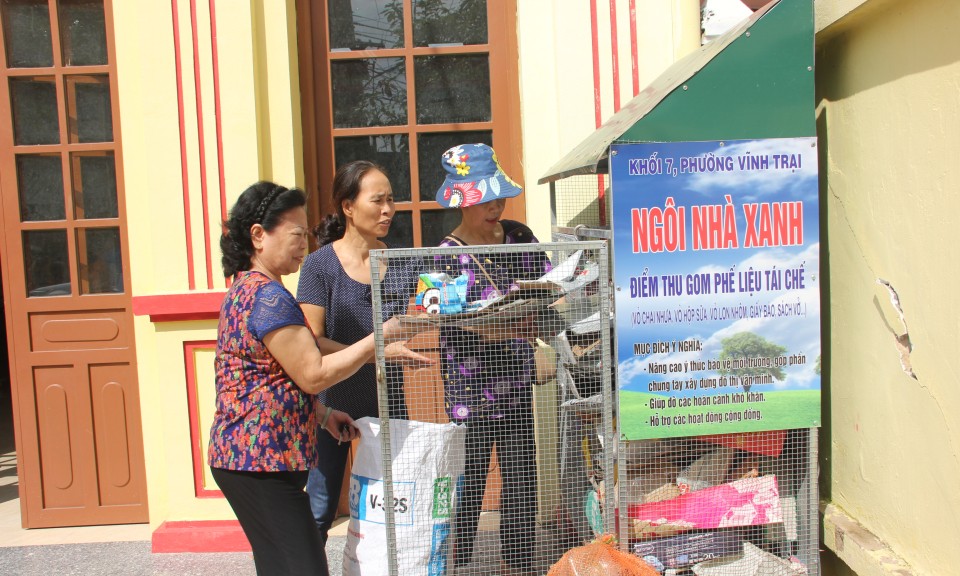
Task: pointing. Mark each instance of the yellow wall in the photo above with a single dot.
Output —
(260, 116)
(888, 83)
(259, 103)
(557, 112)
(556, 76)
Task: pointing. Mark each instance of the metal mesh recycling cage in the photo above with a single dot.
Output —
(506, 437)
(499, 431)
(743, 503)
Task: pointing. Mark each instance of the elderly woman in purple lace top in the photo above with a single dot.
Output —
(269, 368)
(488, 381)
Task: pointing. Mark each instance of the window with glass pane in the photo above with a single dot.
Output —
(26, 31)
(34, 103)
(391, 151)
(40, 182)
(453, 51)
(94, 185)
(431, 146)
(369, 92)
(401, 231)
(365, 24)
(46, 263)
(449, 22)
(83, 32)
(452, 89)
(435, 224)
(88, 108)
(101, 264)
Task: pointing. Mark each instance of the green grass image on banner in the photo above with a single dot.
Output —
(778, 411)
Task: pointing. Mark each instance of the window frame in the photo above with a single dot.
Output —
(61, 74)
(317, 111)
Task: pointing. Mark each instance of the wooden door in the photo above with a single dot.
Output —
(66, 273)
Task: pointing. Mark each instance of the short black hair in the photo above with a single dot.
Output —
(263, 203)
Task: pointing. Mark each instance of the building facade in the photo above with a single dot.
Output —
(131, 127)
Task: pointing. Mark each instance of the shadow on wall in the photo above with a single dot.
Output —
(916, 36)
(830, 565)
(825, 445)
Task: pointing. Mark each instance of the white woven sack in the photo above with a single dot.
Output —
(427, 464)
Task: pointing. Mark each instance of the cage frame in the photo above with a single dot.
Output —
(609, 401)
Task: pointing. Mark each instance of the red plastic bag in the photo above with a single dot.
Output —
(600, 558)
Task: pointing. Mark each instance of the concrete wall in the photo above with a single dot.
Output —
(888, 83)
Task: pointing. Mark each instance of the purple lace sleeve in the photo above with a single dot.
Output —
(273, 308)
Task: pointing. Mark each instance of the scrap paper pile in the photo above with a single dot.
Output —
(722, 505)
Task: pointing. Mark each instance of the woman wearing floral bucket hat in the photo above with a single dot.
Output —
(488, 379)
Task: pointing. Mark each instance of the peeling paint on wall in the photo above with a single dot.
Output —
(902, 341)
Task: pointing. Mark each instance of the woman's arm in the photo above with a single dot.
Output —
(316, 319)
(297, 351)
(395, 352)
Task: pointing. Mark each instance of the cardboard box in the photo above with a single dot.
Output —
(768, 443)
(690, 548)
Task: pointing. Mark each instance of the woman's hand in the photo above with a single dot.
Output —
(340, 425)
(400, 353)
(394, 330)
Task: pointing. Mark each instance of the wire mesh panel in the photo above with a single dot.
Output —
(508, 427)
(696, 357)
(723, 505)
(581, 201)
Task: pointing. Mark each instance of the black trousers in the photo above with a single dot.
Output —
(516, 446)
(274, 513)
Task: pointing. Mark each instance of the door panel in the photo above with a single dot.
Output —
(115, 423)
(74, 330)
(59, 414)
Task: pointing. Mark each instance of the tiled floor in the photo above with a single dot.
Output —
(125, 549)
(121, 550)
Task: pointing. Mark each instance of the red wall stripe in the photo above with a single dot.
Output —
(216, 108)
(614, 55)
(201, 146)
(595, 44)
(191, 282)
(193, 406)
(179, 307)
(633, 47)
